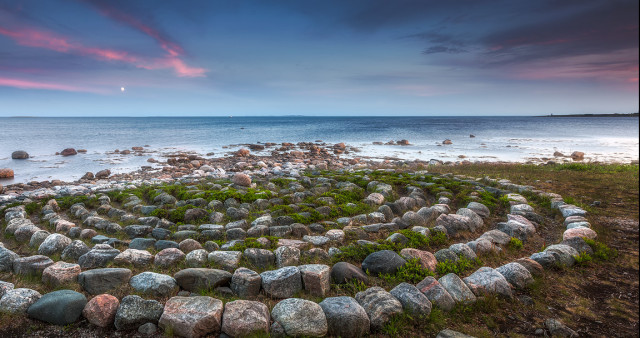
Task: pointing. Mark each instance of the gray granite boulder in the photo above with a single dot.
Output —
(383, 262)
(242, 318)
(343, 272)
(488, 281)
(412, 300)
(436, 293)
(99, 281)
(17, 301)
(379, 305)
(316, 279)
(479, 209)
(287, 256)
(345, 317)
(282, 283)
(74, 250)
(156, 284)
(196, 316)
(98, 256)
(134, 257)
(260, 258)
(197, 279)
(564, 254)
(31, 265)
(6, 259)
(246, 283)
(300, 317)
(516, 274)
(135, 311)
(227, 260)
(457, 289)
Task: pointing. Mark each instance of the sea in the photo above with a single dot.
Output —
(513, 139)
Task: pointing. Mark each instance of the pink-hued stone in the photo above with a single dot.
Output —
(101, 310)
(426, 258)
(61, 273)
(579, 232)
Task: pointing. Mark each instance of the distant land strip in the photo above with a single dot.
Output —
(595, 115)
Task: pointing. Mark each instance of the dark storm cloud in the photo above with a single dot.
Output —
(606, 27)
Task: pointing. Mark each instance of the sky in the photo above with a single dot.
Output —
(299, 57)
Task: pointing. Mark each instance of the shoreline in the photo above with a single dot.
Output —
(262, 159)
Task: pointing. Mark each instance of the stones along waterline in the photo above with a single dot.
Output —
(170, 256)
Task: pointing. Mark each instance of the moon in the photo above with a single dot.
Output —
(122, 89)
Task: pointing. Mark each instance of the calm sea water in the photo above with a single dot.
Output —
(497, 138)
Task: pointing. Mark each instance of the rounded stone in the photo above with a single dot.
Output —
(345, 317)
(101, 310)
(135, 311)
(192, 316)
(155, 284)
(61, 273)
(59, 307)
(383, 262)
(242, 318)
(300, 317)
(17, 301)
(282, 283)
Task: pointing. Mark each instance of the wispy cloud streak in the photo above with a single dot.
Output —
(33, 37)
(28, 84)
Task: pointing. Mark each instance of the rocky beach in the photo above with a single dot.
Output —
(304, 239)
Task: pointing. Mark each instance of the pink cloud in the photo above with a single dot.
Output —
(27, 84)
(31, 37)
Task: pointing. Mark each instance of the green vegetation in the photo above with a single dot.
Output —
(515, 244)
(601, 251)
(66, 202)
(463, 264)
(412, 272)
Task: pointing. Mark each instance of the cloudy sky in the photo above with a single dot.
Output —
(281, 57)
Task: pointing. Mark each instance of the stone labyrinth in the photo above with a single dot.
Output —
(336, 253)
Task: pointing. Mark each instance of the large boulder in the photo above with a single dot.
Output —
(287, 256)
(345, 317)
(17, 301)
(192, 316)
(19, 155)
(6, 259)
(101, 310)
(74, 250)
(58, 307)
(98, 256)
(68, 152)
(227, 260)
(61, 273)
(99, 281)
(282, 283)
(260, 258)
(31, 265)
(155, 284)
(383, 262)
(564, 254)
(475, 221)
(316, 279)
(246, 283)
(454, 223)
(168, 257)
(198, 279)
(457, 289)
(412, 300)
(243, 318)
(427, 260)
(300, 317)
(436, 293)
(135, 311)
(516, 274)
(343, 272)
(488, 281)
(138, 258)
(480, 209)
(379, 305)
